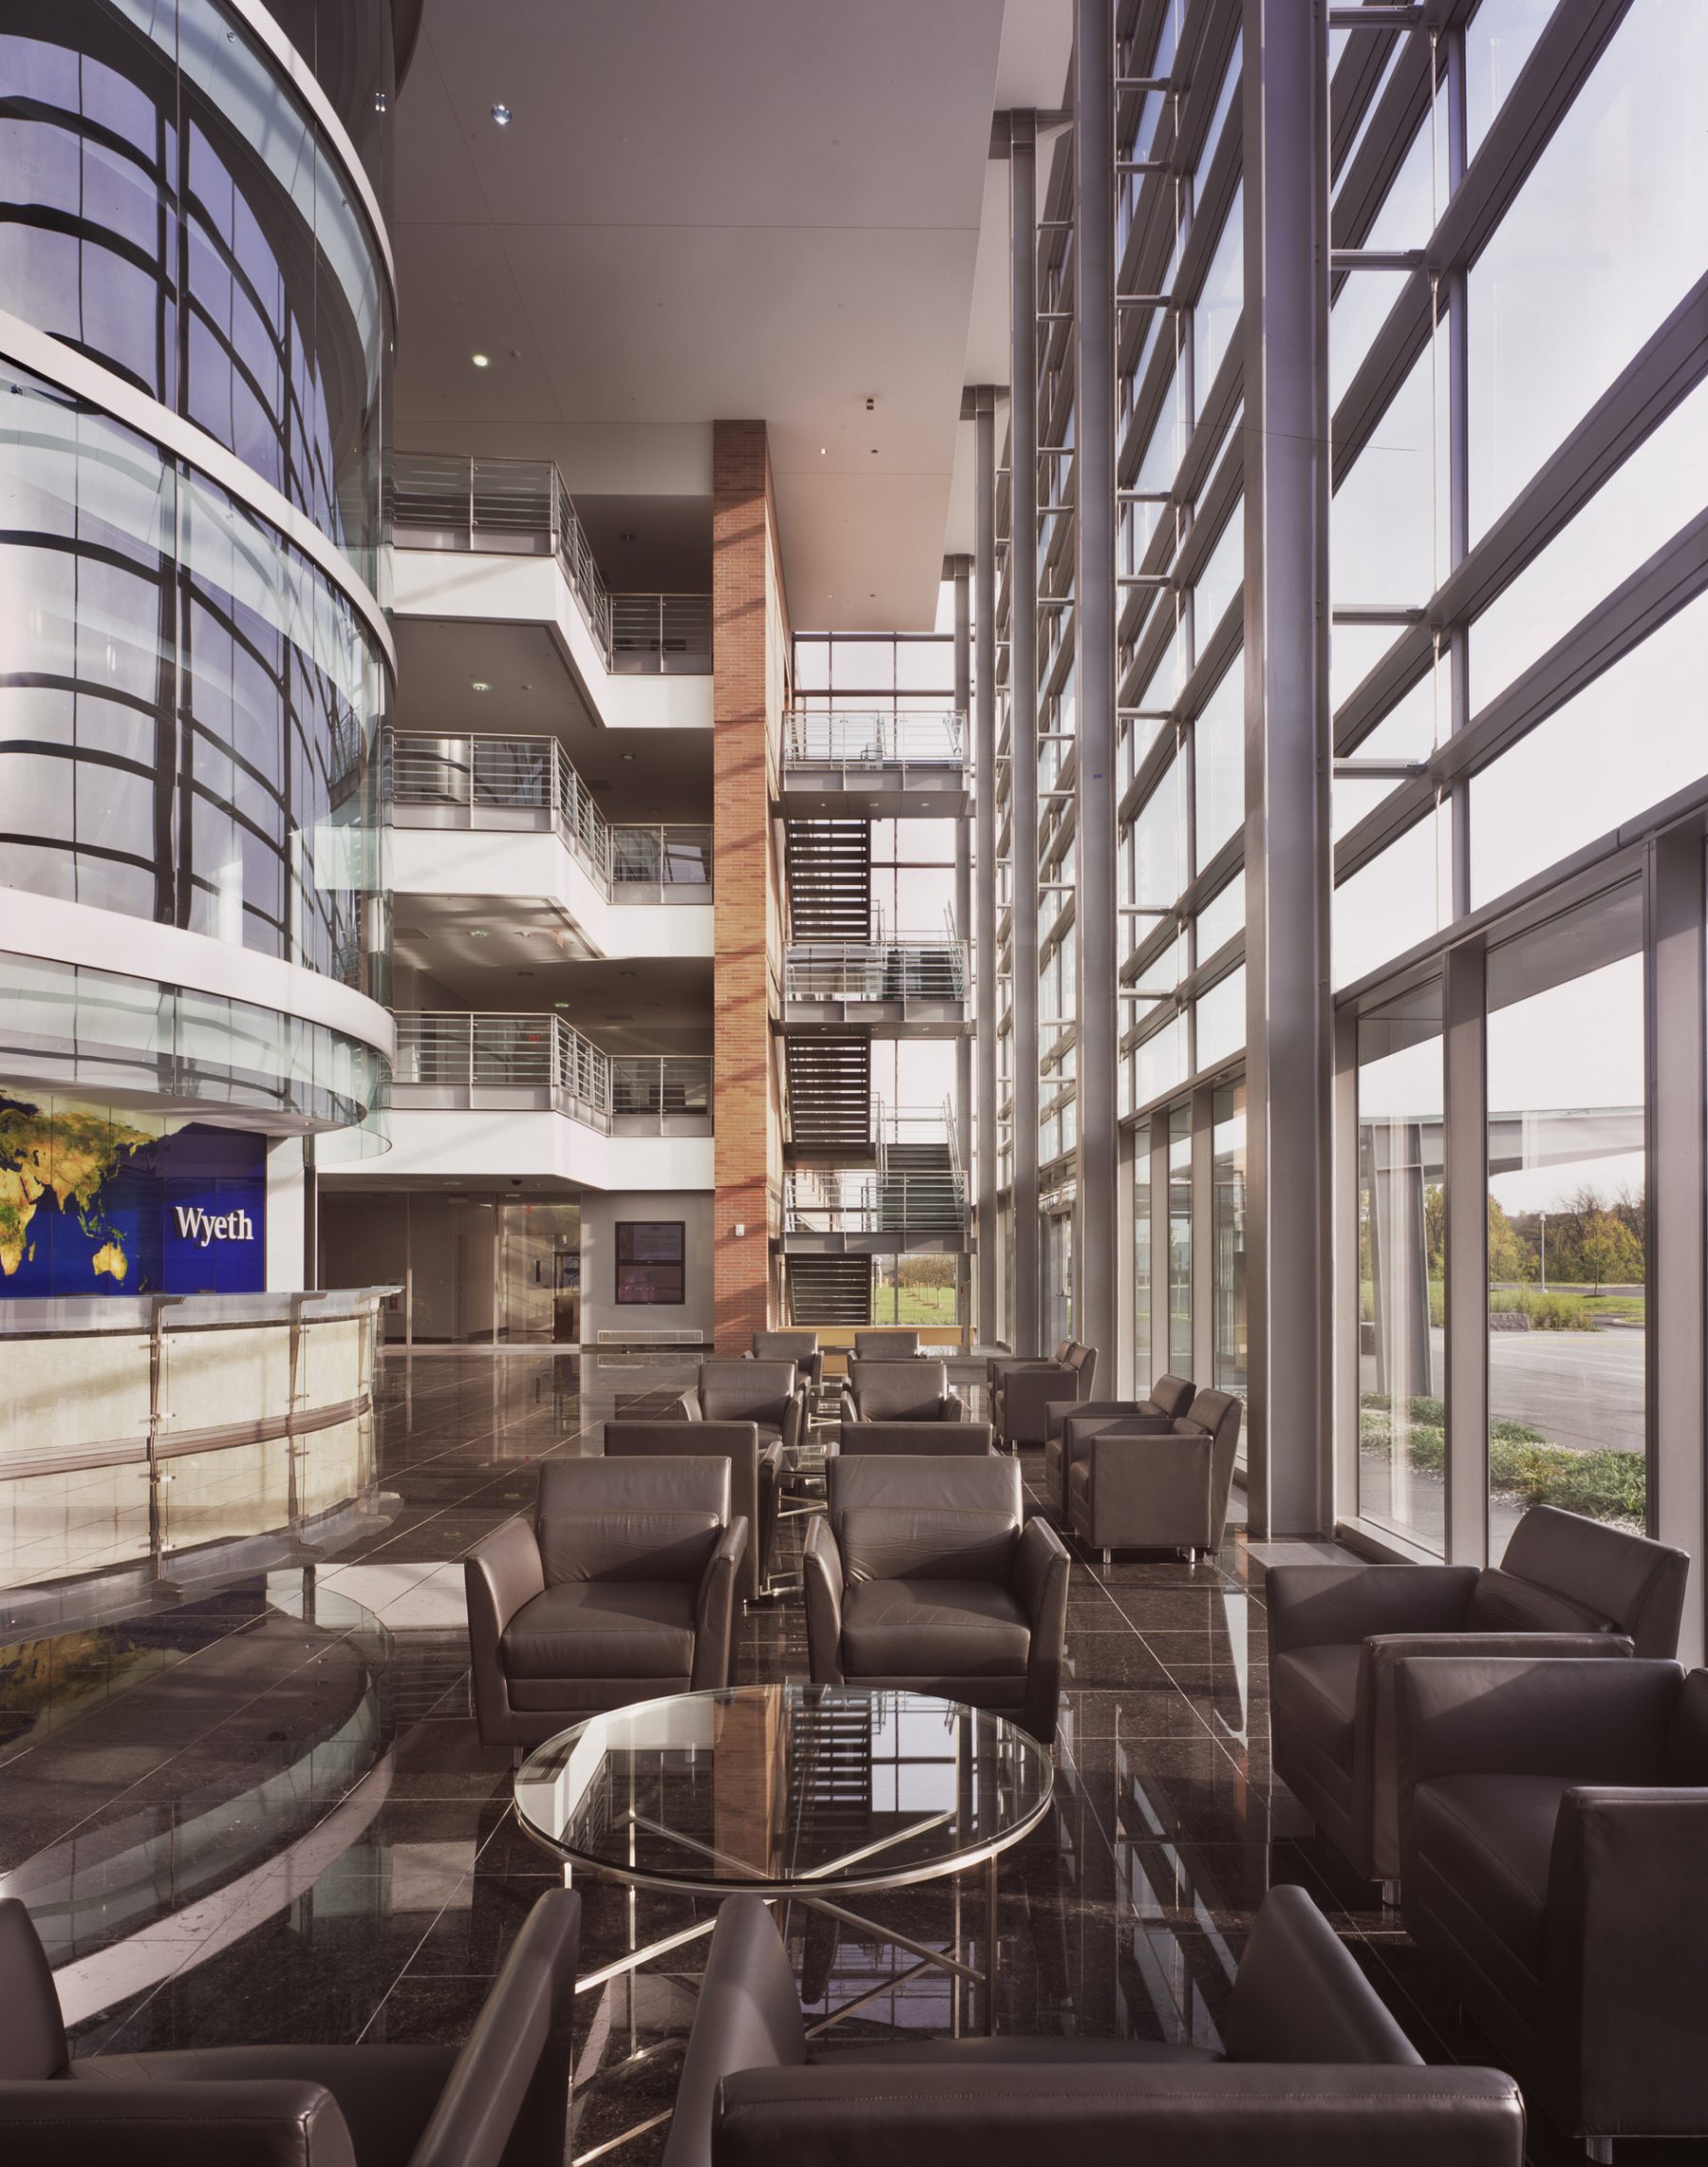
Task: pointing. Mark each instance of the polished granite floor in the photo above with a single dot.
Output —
(264, 1814)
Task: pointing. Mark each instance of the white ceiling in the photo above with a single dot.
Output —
(720, 208)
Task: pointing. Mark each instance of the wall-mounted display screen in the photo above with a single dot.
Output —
(100, 1200)
(651, 1261)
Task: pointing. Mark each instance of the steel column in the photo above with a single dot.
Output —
(1095, 608)
(1464, 1177)
(960, 569)
(1289, 1009)
(1023, 707)
(1677, 1031)
(984, 803)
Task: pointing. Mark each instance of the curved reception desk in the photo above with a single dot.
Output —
(150, 1442)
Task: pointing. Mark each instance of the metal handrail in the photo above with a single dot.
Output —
(664, 1084)
(924, 969)
(500, 776)
(451, 1050)
(451, 501)
(872, 1203)
(869, 739)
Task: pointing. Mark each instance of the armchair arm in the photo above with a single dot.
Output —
(1375, 1773)
(846, 1409)
(715, 1609)
(249, 2123)
(953, 1408)
(966, 2109)
(1531, 1715)
(1040, 1585)
(1156, 1485)
(501, 1573)
(1027, 1395)
(794, 1419)
(770, 1492)
(1319, 1605)
(1058, 1412)
(822, 1573)
(1625, 1964)
(747, 2016)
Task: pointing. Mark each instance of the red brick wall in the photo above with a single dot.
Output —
(749, 661)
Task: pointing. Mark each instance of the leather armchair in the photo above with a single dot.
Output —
(1555, 1821)
(997, 1365)
(1313, 2069)
(500, 2100)
(756, 1476)
(1147, 1483)
(923, 1575)
(802, 1348)
(621, 1588)
(768, 1394)
(896, 1391)
(889, 1345)
(972, 1440)
(1566, 1587)
(1021, 1397)
(1170, 1398)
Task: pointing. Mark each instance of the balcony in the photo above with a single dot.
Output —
(913, 985)
(451, 1061)
(521, 508)
(527, 784)
(882, 765)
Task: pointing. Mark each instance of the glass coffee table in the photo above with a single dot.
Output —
(801, 1794)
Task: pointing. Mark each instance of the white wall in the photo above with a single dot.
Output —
(600, 1215)
(285, 1216)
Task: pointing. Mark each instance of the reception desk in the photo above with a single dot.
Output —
(164, 1437)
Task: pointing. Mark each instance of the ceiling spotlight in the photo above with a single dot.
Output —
(478, 933)
(824, 452)
(628, 973)
(626, 756)
(379, 102)
(481, 360)
(501, 116)
(478, 685)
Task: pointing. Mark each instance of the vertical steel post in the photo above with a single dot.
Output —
(984, 803)
(1094, 672)
(1289, 1009)
(960, 571)
(1464, 1177)
(1023, 706)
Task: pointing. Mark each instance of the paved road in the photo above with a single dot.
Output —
(1581, 1389)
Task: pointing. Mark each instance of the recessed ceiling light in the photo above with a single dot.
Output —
(824, 452)
(628, 538)
(501, 116)
(478, 933)
(626, 756)
(478, 685)
(481, 360)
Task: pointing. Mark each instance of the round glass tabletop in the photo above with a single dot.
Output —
(780, 1787)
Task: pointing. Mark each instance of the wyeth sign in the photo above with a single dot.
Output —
(195, 1225)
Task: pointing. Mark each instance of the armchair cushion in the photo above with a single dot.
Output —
(603, 1629)
(886, 1346)
(972, 1440)
(631, 1519)
(905, 1542)
(892, 1392)
(1626, 1582)
(929, 1628)
(1503, 1604)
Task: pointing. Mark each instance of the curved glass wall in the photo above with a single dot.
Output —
(169, 208)
(188, 707)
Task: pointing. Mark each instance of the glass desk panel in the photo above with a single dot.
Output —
(785, 1787)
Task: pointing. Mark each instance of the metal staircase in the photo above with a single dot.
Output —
(829, 867)
(830, 1099)
(828, 1290)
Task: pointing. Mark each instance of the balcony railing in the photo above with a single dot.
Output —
(862, 1203)
(529, 783)
(653, 634)
(816, 739)
(901, 970)
(450, 1059)
(441, 501)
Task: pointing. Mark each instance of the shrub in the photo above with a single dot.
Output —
(1524, 1469)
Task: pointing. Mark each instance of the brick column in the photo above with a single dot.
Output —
(750, 679)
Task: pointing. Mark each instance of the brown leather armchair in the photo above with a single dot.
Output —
(997, 1365)
(899, 1439)
(1568, 1587)
(1170, 1398)
(802, 1348)
(1554, 1815)
(900, 1392)
(924, 1575)
(755, 1475)
(1022, 1396)
(502, 2100)
(1313, 2069)
(621, 1588)
(1147, 1483)
(768, 1394)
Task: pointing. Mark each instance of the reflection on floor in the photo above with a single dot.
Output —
(266, 1816)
